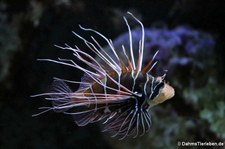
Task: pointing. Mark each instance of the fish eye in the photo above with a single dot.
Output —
(156, 89)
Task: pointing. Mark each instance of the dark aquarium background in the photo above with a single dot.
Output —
(188, 33)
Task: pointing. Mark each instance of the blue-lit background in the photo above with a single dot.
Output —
(188, 33)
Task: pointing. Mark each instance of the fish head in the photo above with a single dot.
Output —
(159, 91)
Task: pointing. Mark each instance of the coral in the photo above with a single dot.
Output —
(28, 29)
(210, 101)
(9, 42)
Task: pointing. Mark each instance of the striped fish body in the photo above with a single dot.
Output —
(115, 108)
(106, 101)
(118, 92)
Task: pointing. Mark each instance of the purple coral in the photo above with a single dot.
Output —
(177, 46)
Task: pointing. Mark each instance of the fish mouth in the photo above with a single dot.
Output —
(167, 92)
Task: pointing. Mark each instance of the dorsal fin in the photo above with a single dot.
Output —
(59, 86)
(150, 64)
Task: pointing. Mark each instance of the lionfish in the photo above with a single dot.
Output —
(116, 91)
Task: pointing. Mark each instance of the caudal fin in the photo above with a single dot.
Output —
(60, 94)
